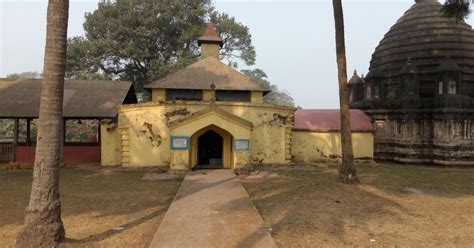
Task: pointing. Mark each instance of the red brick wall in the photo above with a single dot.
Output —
(72, 155)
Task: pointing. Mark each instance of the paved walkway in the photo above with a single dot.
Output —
(212, 209)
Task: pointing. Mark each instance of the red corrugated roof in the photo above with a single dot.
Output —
(329, 120)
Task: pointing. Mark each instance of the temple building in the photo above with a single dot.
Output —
(207, 115)
(420, 88)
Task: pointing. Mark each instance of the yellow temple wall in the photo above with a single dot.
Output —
(109, 146)
(210, 50)
(256, 97)
(317, 146)
(158, 95)
(148, 132)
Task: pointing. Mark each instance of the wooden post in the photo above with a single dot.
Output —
(99, 132)
(63, 141)
(28, 132)
(64, 131)
(15, 137)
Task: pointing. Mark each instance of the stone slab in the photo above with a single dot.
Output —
(212, 209)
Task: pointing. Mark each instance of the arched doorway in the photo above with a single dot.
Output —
(211, 148)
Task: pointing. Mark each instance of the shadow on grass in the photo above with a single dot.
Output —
(402, 179)
(109, 233)
(86, 191)
(313, 204)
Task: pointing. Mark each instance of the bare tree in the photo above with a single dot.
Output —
(43, 224)
(347, 172)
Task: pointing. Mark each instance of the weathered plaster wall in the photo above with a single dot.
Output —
(149, 131)
(110, 146)
(158, 94)
(256, 97)
(207, 95)
(314, 146)
(210, 50)
(221, 124)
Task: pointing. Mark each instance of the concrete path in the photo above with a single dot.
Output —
(212, 209)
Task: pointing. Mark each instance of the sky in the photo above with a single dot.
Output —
(294, 40)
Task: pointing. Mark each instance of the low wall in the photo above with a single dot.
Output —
(317, 146)
(72, 155)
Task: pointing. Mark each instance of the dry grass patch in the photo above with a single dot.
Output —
(397, 205)
(94, 202)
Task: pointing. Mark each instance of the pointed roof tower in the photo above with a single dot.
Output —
(210, 35)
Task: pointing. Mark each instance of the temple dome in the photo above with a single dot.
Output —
(426, 38)
(355, 79)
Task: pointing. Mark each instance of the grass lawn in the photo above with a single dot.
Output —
(396, 205)
(94, 201)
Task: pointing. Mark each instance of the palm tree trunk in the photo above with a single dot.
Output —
(43, 224)
(347, 172)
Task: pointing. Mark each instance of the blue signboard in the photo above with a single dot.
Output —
(179, 143)
(242, 145)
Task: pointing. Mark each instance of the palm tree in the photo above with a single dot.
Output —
(347, 172)
(43, 224)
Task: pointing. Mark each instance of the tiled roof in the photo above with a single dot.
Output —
(204, 73)
(88, 99)
(329, 120)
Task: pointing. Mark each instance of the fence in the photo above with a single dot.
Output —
(7, 152)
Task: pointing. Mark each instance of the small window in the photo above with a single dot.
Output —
(184, 95)
(358, 93)
(233, 96)
(411, 88)
(7, 129)
(377, 91)
(440, 88)
(452, 87)
(369, 93)
(23, 131)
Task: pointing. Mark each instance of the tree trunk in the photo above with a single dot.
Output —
(43, 224)
(347, 172)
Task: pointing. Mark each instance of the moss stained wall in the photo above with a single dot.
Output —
(158, 94)
(149, 132)
(110, 146)
(316, 146)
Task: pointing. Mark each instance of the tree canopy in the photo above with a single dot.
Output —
(276, 96)
(459, 9)
(141, 40)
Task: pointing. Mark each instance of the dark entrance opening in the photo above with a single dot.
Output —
(210, 149)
